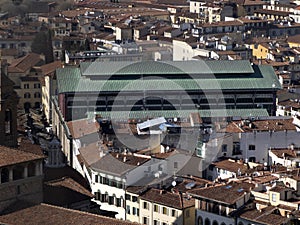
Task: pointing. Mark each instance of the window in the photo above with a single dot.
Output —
(37, 85)
(27, 95)
(252, 147)
(113, 183)
(119, 202)
(155, 208)
(175, 165)
(97, 195)
(133, 211)
(138, 212)
(128, 197)
(37, 95)
(8, 119)
(187, 213)
(165, 211)
(105, 180)
(155, 222)
(111, 200)
(96, 179)
(134, 198)
(224, 148)
(173, 212)
(236, 148)
(26, 86)
(145, 205)
(145, 220)
(119, 185)
(128, 209)
(273, 197)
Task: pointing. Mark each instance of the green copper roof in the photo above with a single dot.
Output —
(79, 80)
(172, 67)
(181, 113)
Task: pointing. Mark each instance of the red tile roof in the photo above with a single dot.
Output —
(24, 63)
(174, 200)
(228, 193)
(48, 214)
(11, 156)
(80, 128)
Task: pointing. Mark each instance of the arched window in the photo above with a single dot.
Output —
(4, 175)
(200, 220)
(18, 172)
(27, 95)
(207, 221)
(8, 121)
(215, 223)
(240, 223)
(223, 224)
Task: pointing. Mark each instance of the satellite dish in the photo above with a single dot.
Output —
(174, 183)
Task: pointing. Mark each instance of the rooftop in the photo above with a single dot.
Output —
(163, 197)
(11, 156)
(80, 128)
(225, 75)
(225, 193)
(48, 214)
(118, 165)
(180, 113)
(232, 166)
(261, 125)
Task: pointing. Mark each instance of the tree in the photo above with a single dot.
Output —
(42, 44)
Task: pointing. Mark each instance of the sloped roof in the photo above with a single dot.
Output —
(228, 193)
(50, 67)
(211, 75)
(11, 156)
(24, 63)
(110, 164)
(48, 214)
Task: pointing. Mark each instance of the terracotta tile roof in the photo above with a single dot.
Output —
(48, 214)
(280, 153)
(80, 128)
(163, 197)
(27, 146)
(11, 156)
(254, 2)
(66, 191)
(224, 23)
(24, 63)
(261, 125)
(90, 153)
(289, 103)
(264, 179)
(232, 166)
(71, 184)
(67, 171)
(228, 193)
(50, 67)
(264, 216)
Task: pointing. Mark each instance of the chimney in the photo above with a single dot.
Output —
(124, 159)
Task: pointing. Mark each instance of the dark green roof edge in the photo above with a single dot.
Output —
(180, 113)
